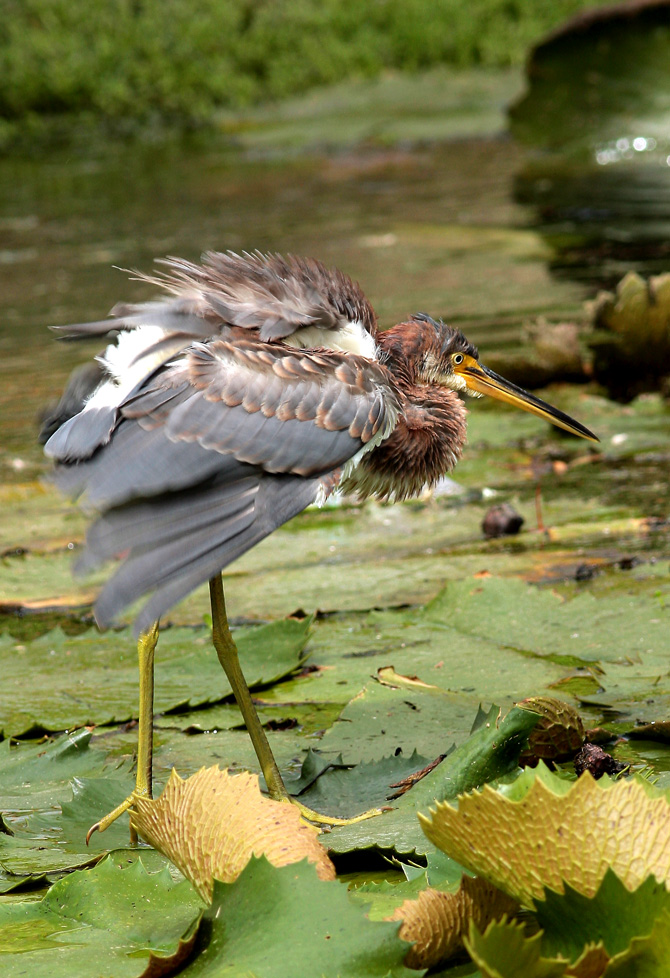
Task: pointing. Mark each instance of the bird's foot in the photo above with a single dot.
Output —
(319, 819)
(120, 810)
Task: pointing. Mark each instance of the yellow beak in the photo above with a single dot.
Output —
(479, 378)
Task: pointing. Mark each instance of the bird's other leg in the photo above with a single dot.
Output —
(229, 659)
(146, 648)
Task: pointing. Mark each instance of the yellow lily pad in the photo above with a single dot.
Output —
(547, 832)
(436, 922)
(210, 825)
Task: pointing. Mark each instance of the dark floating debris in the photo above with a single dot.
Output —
(628, 563)
(597, 762)
(502, 521)
(585, 572)
(287, 723)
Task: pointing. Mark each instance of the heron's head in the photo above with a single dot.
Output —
(450, 360)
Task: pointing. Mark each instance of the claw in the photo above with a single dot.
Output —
(105, 822)
(93, 828)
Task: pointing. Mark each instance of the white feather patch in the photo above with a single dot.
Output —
(350, 338)
(128, 361)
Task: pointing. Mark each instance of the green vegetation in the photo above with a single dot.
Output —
(138, 62)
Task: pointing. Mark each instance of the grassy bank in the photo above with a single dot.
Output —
(137, 62)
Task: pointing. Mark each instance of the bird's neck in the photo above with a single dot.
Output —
(402, 349)
(430, 433)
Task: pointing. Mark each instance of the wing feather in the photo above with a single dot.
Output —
(280, 410)
(175, 553)
(272, 295)
(137, 526)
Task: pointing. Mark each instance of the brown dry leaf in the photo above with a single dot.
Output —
(547, 838)
(435, 922)
(592, 964)
(211, 824)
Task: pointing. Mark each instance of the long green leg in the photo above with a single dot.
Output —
(229, 659)
(146, 648)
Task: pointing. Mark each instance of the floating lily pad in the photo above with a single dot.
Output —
(504, 951)
(614, 915)
(491, 752)
(579, 631)
(92, 677)
(345, 792)
(549, 832)
(615, 932)
(55, 840)
(105, 920)
(279, 923)
(38, 775)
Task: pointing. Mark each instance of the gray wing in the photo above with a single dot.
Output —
(212, 454)
(271, 294)
(82, 382)
(180, 540)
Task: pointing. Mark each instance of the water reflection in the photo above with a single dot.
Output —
(595, 119)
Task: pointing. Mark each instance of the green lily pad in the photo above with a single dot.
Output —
(16, 884)
(647, 955)
(105, 920)
(91, 678)
(38, 775)
(579, 631)
(55, 840)
(283, 923)
(617, 931)
(491, 752)
(440, 873)
(504, 951)
(613, 916)
(227, 748)
(381, 720)
(345, 792)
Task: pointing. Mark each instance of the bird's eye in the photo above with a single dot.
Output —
(457, 358)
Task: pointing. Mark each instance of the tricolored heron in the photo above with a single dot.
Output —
(255, 388)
